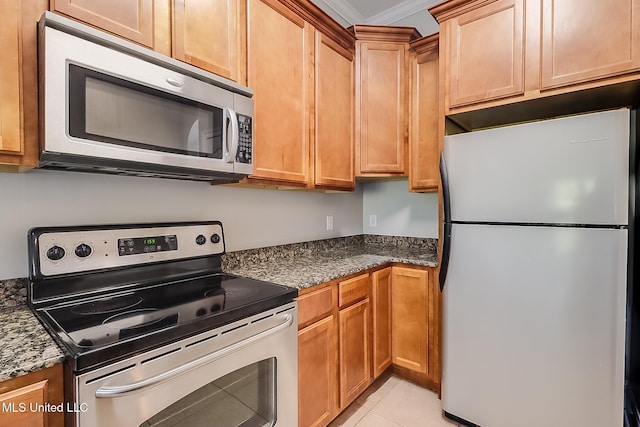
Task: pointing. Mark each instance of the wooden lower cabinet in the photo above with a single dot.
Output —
(414, 325)
(381, 320)
(351, 330)
(24, 399)
(355, 370)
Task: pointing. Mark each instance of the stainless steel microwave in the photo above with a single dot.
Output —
(111, 106)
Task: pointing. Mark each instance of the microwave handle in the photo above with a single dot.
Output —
(230, 153)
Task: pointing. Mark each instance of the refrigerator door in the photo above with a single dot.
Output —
(533, 331)
(573, 170)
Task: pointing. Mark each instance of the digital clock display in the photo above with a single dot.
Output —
(143, 245)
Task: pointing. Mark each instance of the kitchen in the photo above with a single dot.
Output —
(285, 216)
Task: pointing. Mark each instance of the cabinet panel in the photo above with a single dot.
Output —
(130, 19)
(424, 144)
(355, 369)
(410, 319)
(381, 303)
(382, 103)
(316, 305)
(10, 80)
(318, 373)
(485, 53)
(353, 290)
(206, 35)
(280, 56)
(21, 401)
(334, 109)
(588, 39)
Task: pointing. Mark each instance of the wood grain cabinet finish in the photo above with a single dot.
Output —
(355, 368)
(381, 320)
(209, 34)
(334, 110)
(414, 323)
(485, 53)
(382, 76)
(424, 135)
(30, 392)
(19, 84)
(318, 394)
(280, 71)
(131, 19)
(588, 39)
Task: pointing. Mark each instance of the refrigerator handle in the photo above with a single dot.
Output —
(446, 250)
(444, 178)
(446, 244)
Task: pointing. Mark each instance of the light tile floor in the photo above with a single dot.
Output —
(394, 402)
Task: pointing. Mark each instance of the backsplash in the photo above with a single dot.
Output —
(288, 252)
(13, 292)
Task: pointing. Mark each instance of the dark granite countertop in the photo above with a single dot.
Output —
(25, 346)
(309, 268)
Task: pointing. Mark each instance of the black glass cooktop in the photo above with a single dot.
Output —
(106, 328)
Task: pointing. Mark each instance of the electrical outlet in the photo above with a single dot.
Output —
(373, 220)
(329, 222)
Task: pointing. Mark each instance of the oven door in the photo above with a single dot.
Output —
(243, 374)
(103, 103)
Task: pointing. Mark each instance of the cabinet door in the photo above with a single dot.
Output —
(485, 53)
(355, 370)
(381, 303)
(280, 57)
(424, 147)
(409, 322)
(19, 403)
(381, 125)
(588, 39)
(131, 19)
(334, 108)
(206, 34)
(10, 82)
(318, 373)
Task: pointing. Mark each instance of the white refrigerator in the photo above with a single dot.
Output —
(534, 273)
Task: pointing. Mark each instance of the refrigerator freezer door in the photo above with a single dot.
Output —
(533, 331)
(573, 170)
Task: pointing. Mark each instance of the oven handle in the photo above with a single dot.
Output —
(119, 391)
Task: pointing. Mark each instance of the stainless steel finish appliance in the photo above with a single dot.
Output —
(111, 106)
(156, 334)
(534, 273)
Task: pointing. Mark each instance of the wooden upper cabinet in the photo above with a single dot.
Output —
(485, 55)
(10, 80)
(208, 34)
(382, 98)
(588, 39)
(334, 109)
(424, 135)
(131, 19)
(280, 71)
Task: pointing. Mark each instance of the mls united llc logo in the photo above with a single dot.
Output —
(46, 407)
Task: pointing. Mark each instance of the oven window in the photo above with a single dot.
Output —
(120, 112)
(246, 397)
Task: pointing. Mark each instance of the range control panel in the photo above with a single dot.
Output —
(74, 250)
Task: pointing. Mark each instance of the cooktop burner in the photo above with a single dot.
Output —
(109, 292)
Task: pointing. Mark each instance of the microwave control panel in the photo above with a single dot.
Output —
(245, 145)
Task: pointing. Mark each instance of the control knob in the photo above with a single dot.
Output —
(201, 240)
(83, 250)
(55, 253)
(215, 238)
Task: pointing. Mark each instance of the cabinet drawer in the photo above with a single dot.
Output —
(316, 305)
(353, 290)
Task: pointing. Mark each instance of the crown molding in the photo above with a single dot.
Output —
(401, 11)
(346, 11)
